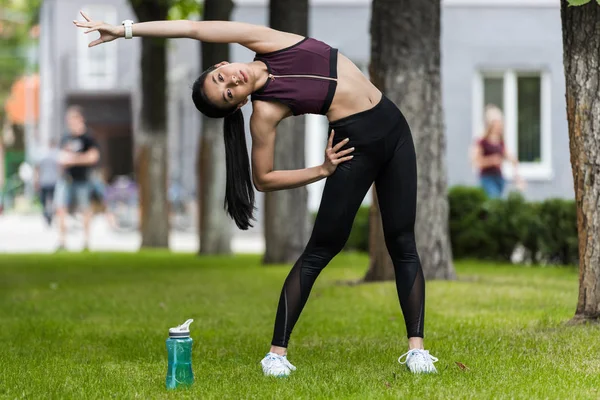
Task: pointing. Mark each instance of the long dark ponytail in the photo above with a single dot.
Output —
(239, 191)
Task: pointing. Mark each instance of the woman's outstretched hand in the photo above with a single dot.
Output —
(107, 32)
(332, 157)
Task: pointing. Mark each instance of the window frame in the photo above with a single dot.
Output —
(542, 170)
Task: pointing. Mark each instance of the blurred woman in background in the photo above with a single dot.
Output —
(489, 153)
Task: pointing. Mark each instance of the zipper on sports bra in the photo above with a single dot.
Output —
(272, 77)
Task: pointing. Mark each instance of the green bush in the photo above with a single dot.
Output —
(491, 229)
(558, 238)
(533, 229)
(467, 215)
(505, 225)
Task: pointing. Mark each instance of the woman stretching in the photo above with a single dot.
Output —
(370, 142)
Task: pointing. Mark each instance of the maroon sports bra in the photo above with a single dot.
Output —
(302, 76)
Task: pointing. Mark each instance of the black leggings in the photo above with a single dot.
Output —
(384, 153)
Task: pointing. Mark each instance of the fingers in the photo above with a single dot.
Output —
(340, 144)
(91, 30)
(338, 161)
(341, 160)
(81, 24)
(84, 15)
(336, 158)
(347, 151)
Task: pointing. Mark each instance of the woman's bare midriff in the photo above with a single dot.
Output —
(354, 92)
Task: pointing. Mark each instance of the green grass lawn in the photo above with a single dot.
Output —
(94, 326)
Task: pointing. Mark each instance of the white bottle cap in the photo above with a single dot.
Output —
(181, 331)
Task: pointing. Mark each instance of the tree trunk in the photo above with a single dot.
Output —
(286, 212)
(581, 44)
(151, 139)
(405, 65)
(215, 225)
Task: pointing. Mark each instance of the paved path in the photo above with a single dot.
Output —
(30, 234)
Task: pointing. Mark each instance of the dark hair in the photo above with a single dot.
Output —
(239, 192)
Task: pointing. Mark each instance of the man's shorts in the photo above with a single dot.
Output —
(66, 192)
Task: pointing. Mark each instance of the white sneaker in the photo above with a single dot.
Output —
(419, 361)
(275, 365)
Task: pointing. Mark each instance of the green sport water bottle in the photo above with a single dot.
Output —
(179, 349)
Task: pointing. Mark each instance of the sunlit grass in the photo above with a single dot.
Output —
(94, 326)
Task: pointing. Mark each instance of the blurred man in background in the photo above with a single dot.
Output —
(79, 154)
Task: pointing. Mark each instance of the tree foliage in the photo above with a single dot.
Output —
(580, 2)
(184, 9)
(17, 18)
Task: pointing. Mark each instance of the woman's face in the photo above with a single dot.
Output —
(496, 128)
(229, 84)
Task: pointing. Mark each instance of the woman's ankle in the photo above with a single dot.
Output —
(415, 343)
(282, 351)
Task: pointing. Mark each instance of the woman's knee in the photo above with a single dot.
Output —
(316, 258)
(328, 246)
(401, 243)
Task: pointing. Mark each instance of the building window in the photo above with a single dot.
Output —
(97, 66)
(529, 128)
(524, 98)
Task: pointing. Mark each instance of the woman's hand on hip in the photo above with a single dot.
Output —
(107, 32)
(333, 155)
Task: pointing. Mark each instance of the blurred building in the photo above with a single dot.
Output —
(105, 81)
(504, 51)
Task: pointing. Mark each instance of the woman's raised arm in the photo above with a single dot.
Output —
(257, 38)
